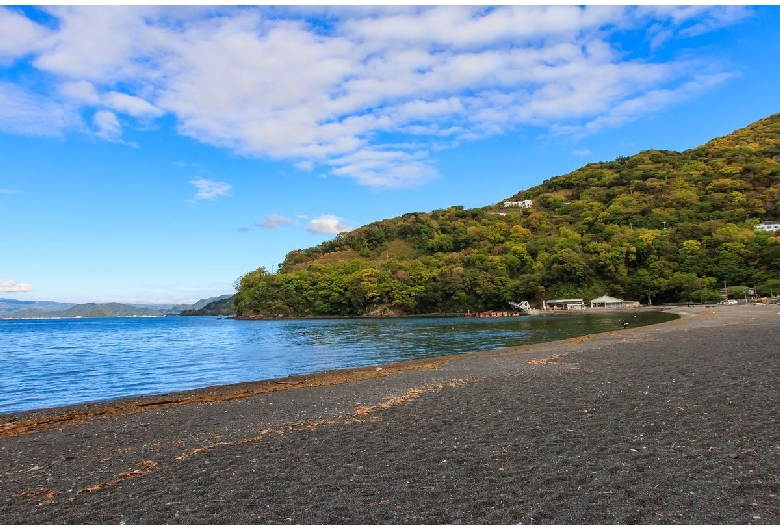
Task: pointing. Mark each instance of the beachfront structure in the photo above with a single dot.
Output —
(608, 302)
(725, 292)
(518, 204)
(569, 304)
(766, 226)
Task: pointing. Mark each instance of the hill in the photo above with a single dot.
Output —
(659, 226)
(218, 306)
(179, 309)
(89, 310)
(9, 305)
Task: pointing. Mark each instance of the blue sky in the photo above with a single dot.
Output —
(156, 154)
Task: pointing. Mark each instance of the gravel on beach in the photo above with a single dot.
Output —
(673, 423)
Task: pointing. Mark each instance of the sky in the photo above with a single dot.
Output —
(155, 154)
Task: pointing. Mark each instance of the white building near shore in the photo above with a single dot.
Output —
(567, 304)
(608, 302)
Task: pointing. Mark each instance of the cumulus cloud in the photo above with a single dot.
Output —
(210, 189)
(370, 94)
(276, 221)
(8, 286)
(327, 224)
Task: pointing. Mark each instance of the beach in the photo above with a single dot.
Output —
(673, 423)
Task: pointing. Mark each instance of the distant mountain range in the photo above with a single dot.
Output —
(200, 304)
(8, 305)
(90, 310)
(10, 308)
(222, 306)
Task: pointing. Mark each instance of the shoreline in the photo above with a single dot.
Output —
(673, 423)
(538, 312)
(14, 423)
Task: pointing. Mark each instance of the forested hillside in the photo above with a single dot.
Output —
(658, 225)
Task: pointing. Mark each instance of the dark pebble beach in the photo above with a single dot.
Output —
(674, 423)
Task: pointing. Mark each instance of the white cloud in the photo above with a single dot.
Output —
(468, 27)
(80, 92)
(5, 191)
(630, 109)
(8, 286)
(210, 189)
(267, 82)
(108, 126)
(18, 35)
(99, 43)
(670, 21)
(275, 221)
(23, 112)
(581, 152)
(132, 105)
(304, 165)
(327, 224)
(387, 169)
(696, 20)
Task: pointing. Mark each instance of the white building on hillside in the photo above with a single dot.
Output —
(766, 226)
(518, 204)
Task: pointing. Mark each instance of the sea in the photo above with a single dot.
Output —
(56, 362)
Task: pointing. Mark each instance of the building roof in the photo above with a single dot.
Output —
(565, 300)
(606, 300)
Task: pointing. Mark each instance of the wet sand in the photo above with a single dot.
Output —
(673, 423)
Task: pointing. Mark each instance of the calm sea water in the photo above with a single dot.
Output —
(54, 362)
